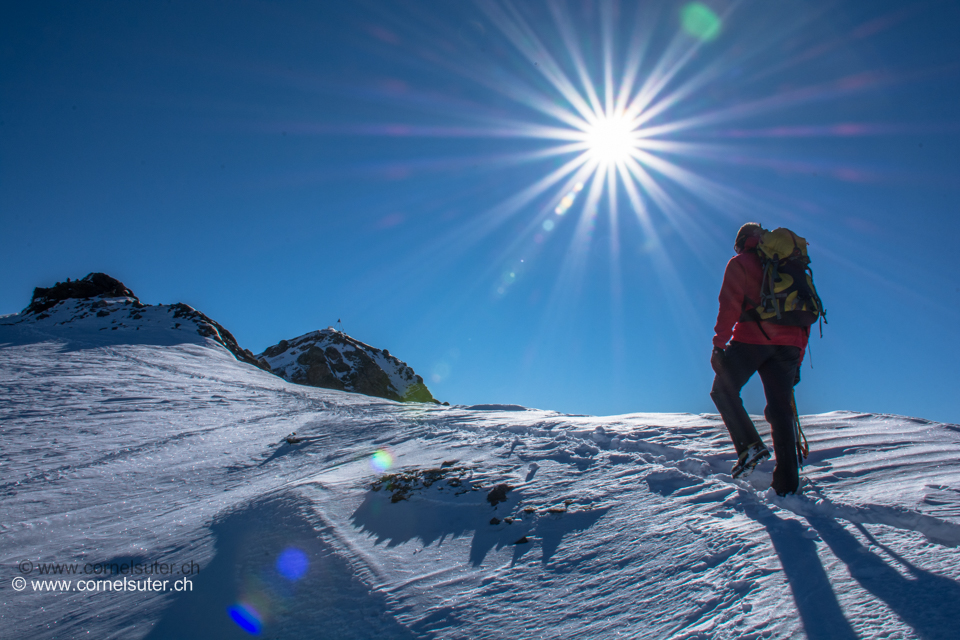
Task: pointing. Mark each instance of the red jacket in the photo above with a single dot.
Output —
(741, 280)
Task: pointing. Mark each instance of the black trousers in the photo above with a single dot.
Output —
(777, 366)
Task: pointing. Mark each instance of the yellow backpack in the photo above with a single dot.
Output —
(787, 294)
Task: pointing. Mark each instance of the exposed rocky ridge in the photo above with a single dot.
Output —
(333, 360)
(99, 302)
(95, 285)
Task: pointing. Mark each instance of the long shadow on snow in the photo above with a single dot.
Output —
(928, 602)
(934, 529)
(281, 579)
(429, 520)
(285, 449)
(813, 594)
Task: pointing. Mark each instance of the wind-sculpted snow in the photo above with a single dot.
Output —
(317, 513)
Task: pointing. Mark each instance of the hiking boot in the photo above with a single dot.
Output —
(749, 459)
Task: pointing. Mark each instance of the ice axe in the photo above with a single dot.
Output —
(803, 447)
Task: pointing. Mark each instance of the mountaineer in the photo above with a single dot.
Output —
(767, 304)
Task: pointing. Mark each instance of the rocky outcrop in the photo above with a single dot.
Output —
(333, 360)
(99, 302)
(95, 285)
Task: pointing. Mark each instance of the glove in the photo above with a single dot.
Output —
(716, 360)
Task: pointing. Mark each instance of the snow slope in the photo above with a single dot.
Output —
(377, 519)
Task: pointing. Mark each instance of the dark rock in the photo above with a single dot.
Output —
(430, 476)
(523, 540)
(368, 378)
(498, 494)
(93, 286)
(316, 372)
(276, 349)
(494, 520)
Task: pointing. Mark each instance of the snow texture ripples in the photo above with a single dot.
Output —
(624, 526)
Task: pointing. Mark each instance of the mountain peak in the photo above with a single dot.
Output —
(95, 285)
(81, 309)
(333, 360)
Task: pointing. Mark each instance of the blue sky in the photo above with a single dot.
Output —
(280, 165)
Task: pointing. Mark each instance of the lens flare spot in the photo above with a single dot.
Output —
(246, 618)
(548, 225)
(292, 563)
(381, 461)
(700, 21)
(567, 201)
(649, 245)
(440, 372)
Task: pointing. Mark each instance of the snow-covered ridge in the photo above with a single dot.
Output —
(333, 360)
(82, 309)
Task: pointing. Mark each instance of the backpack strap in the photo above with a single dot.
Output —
(752, 314)
(772, 275)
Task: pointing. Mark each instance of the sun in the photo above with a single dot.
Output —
(611, 139)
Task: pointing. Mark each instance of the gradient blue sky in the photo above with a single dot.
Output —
(280, 165)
